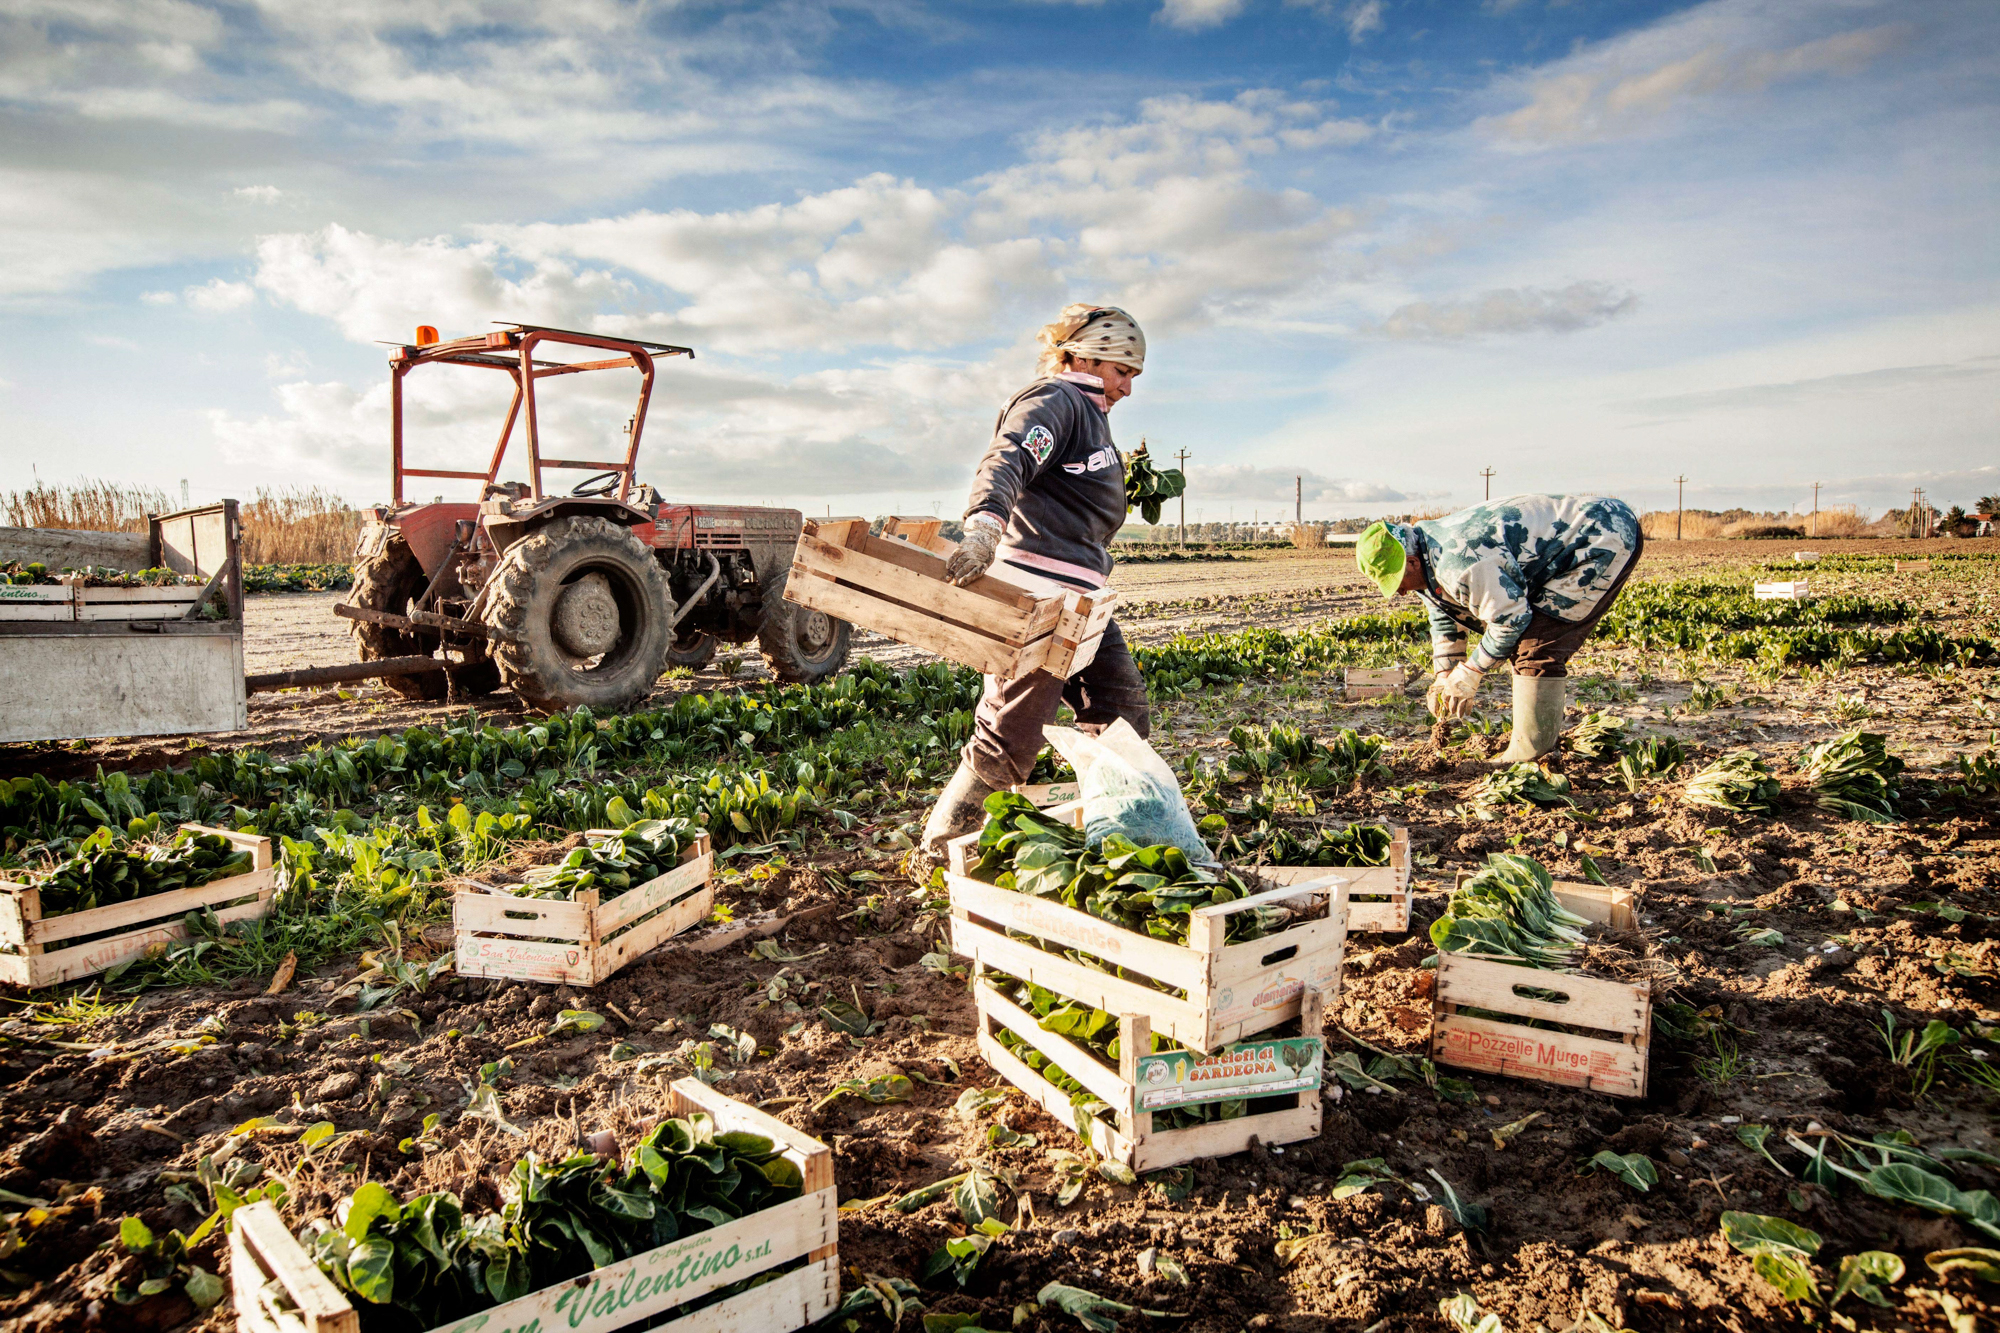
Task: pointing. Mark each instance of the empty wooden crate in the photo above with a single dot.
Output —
(1228, 991)
(278, 1288)
(580, 941)
(894, 584)
(1373, 682)
(100, 938)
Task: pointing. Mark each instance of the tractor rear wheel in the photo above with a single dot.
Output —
(579, 612)
(801, 645)
(389, 582)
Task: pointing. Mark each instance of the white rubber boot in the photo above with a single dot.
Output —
(1538, 719)
(959, 810)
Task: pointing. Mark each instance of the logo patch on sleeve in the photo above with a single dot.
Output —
(1039, 443)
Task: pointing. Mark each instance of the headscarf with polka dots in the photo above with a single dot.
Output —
(1097, 333)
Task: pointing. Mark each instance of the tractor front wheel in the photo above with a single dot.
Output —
(693, 651)
(389, 582)
(579, 613)
(801, 645)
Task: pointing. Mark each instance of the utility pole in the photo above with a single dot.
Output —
(1182, 458)
(1679, 504)
(1488, 474)
(1298, 500)
(1815, 523)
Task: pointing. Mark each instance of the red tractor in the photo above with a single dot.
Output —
(572, 599)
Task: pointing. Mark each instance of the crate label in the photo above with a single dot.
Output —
(1274, 993)
(641, 1281)
(1247, 1069)
(1498, 1050)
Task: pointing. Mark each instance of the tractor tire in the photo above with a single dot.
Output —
(579, 612)
(693, 651)
(801, 645)
(389, 582)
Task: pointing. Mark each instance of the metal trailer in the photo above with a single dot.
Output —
(79, 662)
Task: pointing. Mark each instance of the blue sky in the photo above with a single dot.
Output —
(1380, 245)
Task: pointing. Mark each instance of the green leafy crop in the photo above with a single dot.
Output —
(105, 868)
(1509, 911)
(641, 851)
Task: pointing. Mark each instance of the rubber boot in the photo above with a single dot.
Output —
(1538, 719)
(959, 810)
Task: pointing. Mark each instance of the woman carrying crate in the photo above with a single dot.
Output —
(1531, 574)
(1048, 498)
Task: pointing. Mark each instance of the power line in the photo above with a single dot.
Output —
(1815, 519)
(1679, 493)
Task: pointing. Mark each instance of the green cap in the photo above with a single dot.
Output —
(1380, 556)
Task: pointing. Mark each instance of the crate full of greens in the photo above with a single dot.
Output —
(109, 898)
(576, 922)
(720, 1217)
(1511, 996)
(1138, 1097)
(1141, 930)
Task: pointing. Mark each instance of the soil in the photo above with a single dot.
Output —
(103, 1126)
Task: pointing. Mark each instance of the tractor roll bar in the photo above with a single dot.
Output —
(512, 350)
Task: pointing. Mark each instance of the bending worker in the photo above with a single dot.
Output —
(1532, 575)
(1048, 497)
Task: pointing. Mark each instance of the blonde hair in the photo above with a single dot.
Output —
(1095, 332)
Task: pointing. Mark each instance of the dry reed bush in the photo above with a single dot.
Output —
(298, 527)
(1837, 521)
(1308, 536)
(91, 506)
(1659, 526)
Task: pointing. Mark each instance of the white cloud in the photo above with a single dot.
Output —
(258, 194)
(1363, 19)
(1633, 85)
(1580, 305)
(158, 298)
(1194, 15)
(217, 296)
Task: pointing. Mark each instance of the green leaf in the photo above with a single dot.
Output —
(1754, 1234)
(136, 1235)
(977, 1197)
(1788, 1273)
(1865, 1274)
(369, 1202)
(204, 1288)
(1002, 1135)
(315, 1135)
(1753, 1137)
(575, 1020)
(1981, 1263)
(1635, 1169)
(371, 1268)
(1096, 1313)
(1117, 1172)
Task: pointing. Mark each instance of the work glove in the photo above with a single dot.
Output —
(1451, 693)
(975, 549)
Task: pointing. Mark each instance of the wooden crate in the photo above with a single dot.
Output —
(582, 941)
(1913, 566)
(894, 584)
(1793, 590)
(1232, 990)
(74, 601)
(1614, 1063)
(1805, 557)
(124, 930)
(266, 1259)
(1373, 682)
(1392, 882)
(1130, 1137)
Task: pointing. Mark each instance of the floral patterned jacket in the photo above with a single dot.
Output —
(1490, 568)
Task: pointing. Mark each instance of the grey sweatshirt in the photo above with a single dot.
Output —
(1054, 477)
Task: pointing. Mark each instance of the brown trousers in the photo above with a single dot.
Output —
(1549, 643)
(1007, 724)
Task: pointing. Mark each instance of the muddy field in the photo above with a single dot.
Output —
(1777, 943)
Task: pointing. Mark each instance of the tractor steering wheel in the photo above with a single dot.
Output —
(602, 484)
